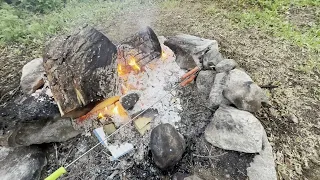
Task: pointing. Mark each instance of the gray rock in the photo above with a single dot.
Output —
(167, 146)
(242, 92)
(215, 97)
(21, 163)
(226, 65)
(189, 50)
(26, 134)
(263, 166)
(234, 129)
(32, 76)
(129, 100)
(212, 57)
(28, 108)
(204, 82)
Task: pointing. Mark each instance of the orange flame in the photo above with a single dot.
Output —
(132, 62)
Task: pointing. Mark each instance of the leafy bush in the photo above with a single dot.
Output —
(12, 27)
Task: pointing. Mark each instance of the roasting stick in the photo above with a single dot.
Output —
(185, 79)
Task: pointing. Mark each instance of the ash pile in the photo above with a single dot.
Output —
(131, 100)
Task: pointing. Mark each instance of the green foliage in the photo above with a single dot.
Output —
(38, 6)
(12, 27)
(31, 29)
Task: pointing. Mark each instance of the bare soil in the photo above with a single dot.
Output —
(268, 59)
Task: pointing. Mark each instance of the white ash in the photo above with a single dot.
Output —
(153, 84)
(159, 77)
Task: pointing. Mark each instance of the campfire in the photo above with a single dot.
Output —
(132, 97)
(140, 63)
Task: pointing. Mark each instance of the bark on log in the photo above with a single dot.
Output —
(81, 70)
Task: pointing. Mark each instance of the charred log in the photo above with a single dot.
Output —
(144, 46)
(81, 70)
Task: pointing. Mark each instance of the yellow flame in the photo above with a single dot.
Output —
(115, 110)
(133, 64)
(163, 55)
(120, 72)
(100, 116)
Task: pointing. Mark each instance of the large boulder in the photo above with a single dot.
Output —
(194, 51)
(263, 166)
(234, 129)
(21, 163)
(242, 92)
(32, 76)
(216, 97)
(167, 146)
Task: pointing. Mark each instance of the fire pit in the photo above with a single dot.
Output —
(174, 131)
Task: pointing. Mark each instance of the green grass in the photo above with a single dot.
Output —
(269, 16)
(25, 28)
(275, 24)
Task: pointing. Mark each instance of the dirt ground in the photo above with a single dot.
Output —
(268, 59)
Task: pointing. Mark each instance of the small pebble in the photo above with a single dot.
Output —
(293, 118)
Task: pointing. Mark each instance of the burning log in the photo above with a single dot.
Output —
(81, 70)
(138, 50)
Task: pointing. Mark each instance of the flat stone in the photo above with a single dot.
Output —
(32, 76)
(226, 65)
(129, 100)
(40, 132)
(234, 129)
(242, 92)
(167, 146)
(21, 163)
(204, 82)
(191, 50)
(216, 97)
(263, 166)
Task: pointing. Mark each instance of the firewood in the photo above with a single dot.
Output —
(81, 70)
